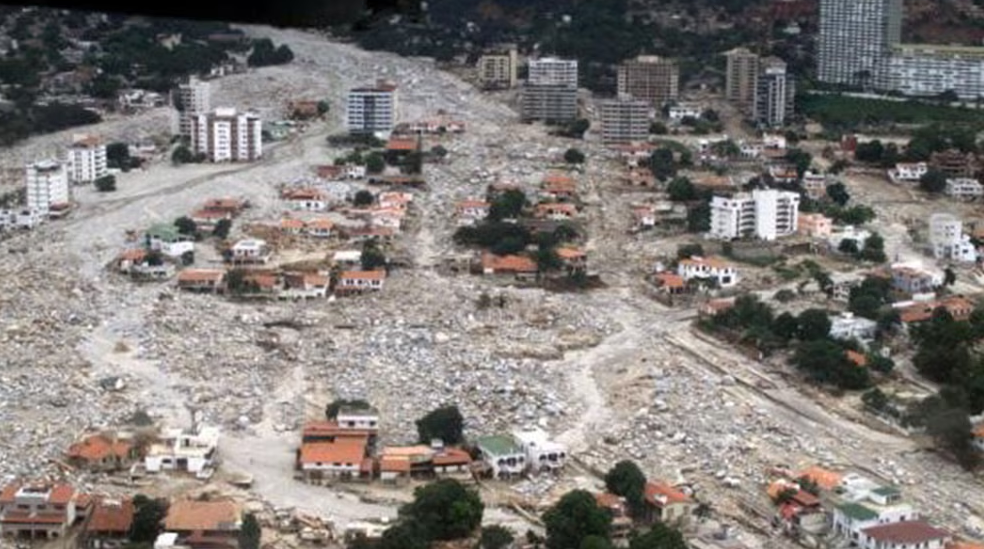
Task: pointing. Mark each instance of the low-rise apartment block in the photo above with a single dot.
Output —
(193, 452)
(964, 188)
(847, 326)
(928, 70)
(722, 272)
(226, 135)
(815, 225)
(372, 110)
(86, 159)
(766, 214)
(908, 172)
(37, 510)
(624, 120)
(47, 187)
(542, 454)
(497, 69)
(948, 240)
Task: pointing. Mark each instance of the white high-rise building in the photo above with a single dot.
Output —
(225, 135)
(552, 71)
(194, 98)
(947, 239)
(371, 110)
(855, 42)
(766, 214)
(47, 186)
(930, 69)
(86, 159)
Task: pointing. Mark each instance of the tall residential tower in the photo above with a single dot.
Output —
(856, 40)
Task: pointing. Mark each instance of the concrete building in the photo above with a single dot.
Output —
(179, 450)
(765, 213)
(47, 187)
(372, 110)
(549, 103)
(847, 326)
(679, 111)
(849, 232)
(497, 69)
(815, 225)
(86, 159)
(774, 93)
(741, 78)
(856, 39)
(907, 172)
(865, 504)
(724, 273)
(225, 135)
(964, 188)
(542, 454)
(552, 71)
(911, 534)
(203, 524)
(947, 239)
(192, 98)
(37, 510)
(502, 455)
(624, 120)
(650, 78)
(930, 69)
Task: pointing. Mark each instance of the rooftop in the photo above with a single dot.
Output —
(111, 515)
(498, 445)
(190, 516)
(856, 511)
(907, 532)
(661, 494)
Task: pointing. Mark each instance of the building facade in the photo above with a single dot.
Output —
(930, 69)
(650, 78)
(371, 110)
(741, 78)
(549, 103)
(86, 159)
(855, 40)
(192, 98)
(47, 186)
(624, 120)
(552, 71)
(225, 135)
(37, 510)
(947, 239)
(774, 92)
(497, 70)
(766, 214)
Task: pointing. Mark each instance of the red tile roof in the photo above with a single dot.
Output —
(661, 495)
(401, 144)
(191, 516)
(99, 447)
(508, 263)
(857, 358)
(343, 450)
(452, 456)
(669, 280)
(907, 532)
(827, 480)
(200, 275)
(362, 275)
(395, 464)
(111, 516)
(608, 500)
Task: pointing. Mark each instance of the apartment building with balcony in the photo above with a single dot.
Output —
(650, 78)
(372, 109)
(624, 120)
(225, 135)
(765, 214)
(85, 159)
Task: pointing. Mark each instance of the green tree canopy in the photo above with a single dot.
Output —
(148, 517)
(495, 537)
(680, 189)
(575, 517)
(444, 510)
(574, 156)
(445, 423)
(627, 480)
(813, 324)
(660, 536)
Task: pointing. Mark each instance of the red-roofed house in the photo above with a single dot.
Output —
(518, 265)
(470, 212)
(709, 268)
(341, 459)
(619, 511)
(555, 210)
(108, 526)
(910, 534)
(99, 452)
(670, 283)
(667, 504)
(36, 510)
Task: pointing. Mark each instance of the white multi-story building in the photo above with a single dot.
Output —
(930, 69)
(47, 186)
(679, 111)
(947, 239)
(502, 455)
(849, 232)
(372, 110)
(624, 120)
(866, 504)
(765, 213)
(847, 326)
(542, 454)
(552, 71)
(908, 172)
(225, 135)
(855, 40)
(180, 450)
(964, 188)
(708, 268)
(86, 159)
(193, 98)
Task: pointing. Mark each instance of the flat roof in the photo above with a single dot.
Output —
(498, 445)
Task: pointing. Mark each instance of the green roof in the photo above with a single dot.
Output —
(856, 511)
(887, 491)
(498, 445)
(166, 232)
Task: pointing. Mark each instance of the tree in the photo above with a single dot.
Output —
(182, 155)
(249, 532)
(680, 189)
(661, 163)
(403, 535)
(186, 225)
(801, 159)
(363, 198)
(933, 181)
(577, 128)
(323, 107)
(826, 363)
(495, 537)
(949, 277)
(686, 251)
(595, 542)
(507, 205)
(813, 324)
(874, 249)
(445, 423)
(838, 166)
(222, 228)
(658, 128)
(335, 406)
(444, 510)
(264, 54)
(848, 246)
(869, 297)
(148, 514)
(875, 400)
(375, 162)
(627, 480)
(106, 183)
(574, 156)
(699, 217)
(438, 151)
(660, 536)
(786, 326)
(118, 155)
(575, 517)
(838, 194)
(547, 260)
(372, 257)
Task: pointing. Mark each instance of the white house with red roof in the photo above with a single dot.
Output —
(709, 268)
(38, 510)
(667, 504)
(910, 534)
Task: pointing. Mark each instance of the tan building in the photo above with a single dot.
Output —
(650, 78)
(741, 78)
(497, 69)
(624, 120)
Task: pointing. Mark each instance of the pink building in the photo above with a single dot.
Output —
(815, 225)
